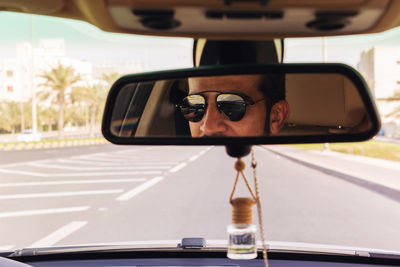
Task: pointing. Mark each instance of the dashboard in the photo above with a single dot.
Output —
(193, 259)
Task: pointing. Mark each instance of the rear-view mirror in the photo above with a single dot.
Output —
(249, 104)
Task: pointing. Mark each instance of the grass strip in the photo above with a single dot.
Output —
(372, 148)
(45, 141)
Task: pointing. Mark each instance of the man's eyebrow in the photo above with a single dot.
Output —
(240, 93)
(231, 91)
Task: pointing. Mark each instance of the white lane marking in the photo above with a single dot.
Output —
(38, 174)
(153, 162)
(178, 167)
(126, 151)
(22, 163)
(135, 191)
(21, 172)
(69, 182)
(103, 173)
(84, 168)
(137, 161)
(59, 234)
(103, 160)
(62, 194)
(8, 247)
(92, 155)
(107, 157)
(98, 159)
(11, 214)
(124, 163)
(93, 163)
(194, 157)
(203, 152)
(44, 160)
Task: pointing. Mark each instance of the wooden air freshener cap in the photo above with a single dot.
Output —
(242, 210)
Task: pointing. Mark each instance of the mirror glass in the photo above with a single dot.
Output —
(245, 105)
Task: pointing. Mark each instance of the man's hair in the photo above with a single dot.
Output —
(274, 90)
(273, 87)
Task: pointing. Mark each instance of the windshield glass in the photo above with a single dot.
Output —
(63, 184)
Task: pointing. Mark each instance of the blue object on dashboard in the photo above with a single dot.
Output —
(193, 242)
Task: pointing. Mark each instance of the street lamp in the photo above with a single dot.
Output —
(32, 82)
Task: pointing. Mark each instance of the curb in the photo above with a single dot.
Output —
(51, 144)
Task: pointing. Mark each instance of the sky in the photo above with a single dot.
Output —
(342, 49)
(86, 42)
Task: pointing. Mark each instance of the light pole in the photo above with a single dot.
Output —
(32, 81)
(324, 60)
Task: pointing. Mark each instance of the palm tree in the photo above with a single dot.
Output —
(93, 96)
(59, 80)
(109, 79)
(10, 113)
(396, 112)
(47, 117)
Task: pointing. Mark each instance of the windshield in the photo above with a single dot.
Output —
(63, 184)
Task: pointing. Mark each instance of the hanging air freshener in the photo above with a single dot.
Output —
(242, 231)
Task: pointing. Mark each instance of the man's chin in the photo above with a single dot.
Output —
(232, 135)
(214, 135)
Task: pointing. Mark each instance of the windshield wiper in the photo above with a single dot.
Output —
(186, 243)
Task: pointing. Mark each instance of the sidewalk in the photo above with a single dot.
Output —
(50, 144)
(377, 171)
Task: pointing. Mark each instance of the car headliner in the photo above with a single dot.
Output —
(116, 16)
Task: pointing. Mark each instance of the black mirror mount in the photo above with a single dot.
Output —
(238, 151)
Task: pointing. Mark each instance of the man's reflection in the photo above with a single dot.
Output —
(236, 105)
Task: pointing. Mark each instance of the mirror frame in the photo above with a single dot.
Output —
(334, 68)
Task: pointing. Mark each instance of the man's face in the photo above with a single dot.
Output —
(215, 122)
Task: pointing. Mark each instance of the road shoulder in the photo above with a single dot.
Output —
(376, 173)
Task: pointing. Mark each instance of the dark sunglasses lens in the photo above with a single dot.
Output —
(193, 107)
(233, 106)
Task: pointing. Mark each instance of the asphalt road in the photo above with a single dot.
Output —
(113, 194)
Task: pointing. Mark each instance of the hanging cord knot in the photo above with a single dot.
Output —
(240, 165)
(254, 164)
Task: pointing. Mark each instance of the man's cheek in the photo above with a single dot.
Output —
(194, 129)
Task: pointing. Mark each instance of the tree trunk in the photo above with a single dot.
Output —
(92, 120)
(87, 118)
(22, 117)
(61, 121)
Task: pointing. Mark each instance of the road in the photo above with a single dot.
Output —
(113, 194)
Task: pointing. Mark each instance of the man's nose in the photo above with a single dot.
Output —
(213, 122)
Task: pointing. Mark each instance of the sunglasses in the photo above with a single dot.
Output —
(233, 105)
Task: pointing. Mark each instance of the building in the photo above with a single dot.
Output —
(380, 67)
(19, 76)
(15, 75)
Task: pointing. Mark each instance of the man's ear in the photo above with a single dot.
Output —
(278, 116)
